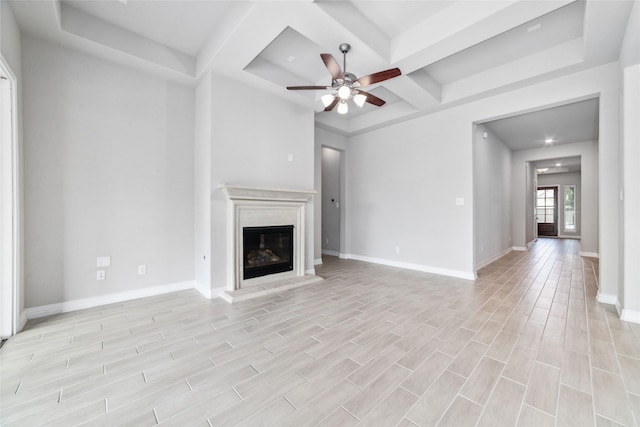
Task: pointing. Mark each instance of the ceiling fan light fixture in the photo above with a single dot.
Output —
(327, 99)
(360, 99)
(343, 107)
(344, 92)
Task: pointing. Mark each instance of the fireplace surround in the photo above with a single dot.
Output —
(248, 208)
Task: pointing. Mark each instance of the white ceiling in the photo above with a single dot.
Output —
(564, 124)
(575, 122)
(448, 51)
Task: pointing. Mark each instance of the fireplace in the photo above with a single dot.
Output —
(267, 250)
(271, 210)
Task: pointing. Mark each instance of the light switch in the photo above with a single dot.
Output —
(103, 261)
(459, 201)
(142, 269)
(290, 157)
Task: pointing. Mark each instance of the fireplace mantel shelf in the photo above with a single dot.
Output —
(273, 194)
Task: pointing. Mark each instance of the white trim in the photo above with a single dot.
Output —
(15, 320)
(418, 267)
(607, 299)
(569, 236)
(531, 243)
(79, 304)
(519, 248)
(343, 256)
(204, 290)
(22, 321)
(330, 253)
(589, 254)
(497, 256)
(310, 272)
(317, 261)
(632, 316)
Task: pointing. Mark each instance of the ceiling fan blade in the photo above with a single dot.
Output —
(372, 99)
(333, 104)
(378, 77)
(333, 66)
(308, 87)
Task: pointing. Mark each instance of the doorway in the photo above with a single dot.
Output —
(8, 203)
(547, 211)
(331, 200)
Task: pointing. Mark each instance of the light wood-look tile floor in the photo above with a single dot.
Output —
(525, 344)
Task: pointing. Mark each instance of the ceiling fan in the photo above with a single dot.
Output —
(346, 86)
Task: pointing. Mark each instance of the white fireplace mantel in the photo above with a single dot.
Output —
(253, 193)
(251, 207)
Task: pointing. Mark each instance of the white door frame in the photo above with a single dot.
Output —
(9, 205)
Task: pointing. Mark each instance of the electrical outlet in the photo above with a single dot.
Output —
(142, 269)
(397, 249)
(101, 275)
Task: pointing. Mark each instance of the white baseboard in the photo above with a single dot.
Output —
(632, 316)
(311, 271)
(417, 267)
(530, 243)
(589, 254)
(79, 304)
(608, 299)
(519, 248)
(569, 236)
(22, 320)
(204, 290)
(330, 253)
(317, 261)
(343, 256)
(497, 256)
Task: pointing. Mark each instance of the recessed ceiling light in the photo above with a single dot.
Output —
(558, 164)
(542, 170)
(123, 1)
(548, 140)
(291, 58)
(534, 27)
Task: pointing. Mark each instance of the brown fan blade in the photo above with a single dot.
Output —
(378, 77)
(308, 87)
(372, 99)
(333, 66)
(333, 104)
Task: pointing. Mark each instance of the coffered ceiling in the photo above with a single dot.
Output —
(448, 51)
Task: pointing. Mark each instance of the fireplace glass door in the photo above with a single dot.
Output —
(267, 250)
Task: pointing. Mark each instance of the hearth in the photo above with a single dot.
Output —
(267, 250)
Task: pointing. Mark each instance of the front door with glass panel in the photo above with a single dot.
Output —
(546, 211)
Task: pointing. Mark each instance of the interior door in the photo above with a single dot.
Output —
(547, 211)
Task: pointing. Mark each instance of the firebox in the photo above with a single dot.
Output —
(267, 250)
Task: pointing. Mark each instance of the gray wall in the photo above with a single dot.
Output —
(331, 200)
(492, 195)
(108, 157)
(560, 180)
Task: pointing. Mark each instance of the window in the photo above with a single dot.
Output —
(569, 207)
